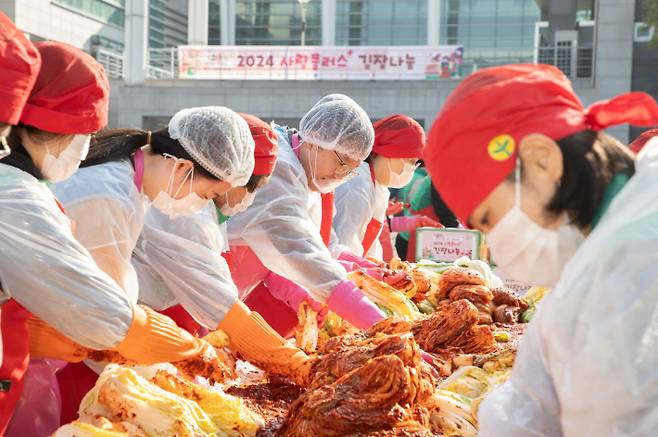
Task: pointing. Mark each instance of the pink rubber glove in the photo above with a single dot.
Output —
(351, 304)
(411, 223)
(356, 259)
(292, 294)
(375, 272)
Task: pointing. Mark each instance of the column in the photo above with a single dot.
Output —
(433, 22)
(197, 22)
(328, 22)
(227, 22)
(136, 41)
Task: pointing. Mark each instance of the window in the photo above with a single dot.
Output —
(493, 32)
(381, 22)
(276, 22)
(214, 22)
(643, 32)
(109, 11)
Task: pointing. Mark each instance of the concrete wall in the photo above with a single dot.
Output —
(48, 20)
(275, 99)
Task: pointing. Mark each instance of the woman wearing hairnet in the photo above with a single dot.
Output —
(178, 261)
(202, 154)
(516, 155)
(361, 203)
(280, 236)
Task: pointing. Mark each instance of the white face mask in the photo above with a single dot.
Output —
(399, 180)
(325, 185)
(62, 167)
(245, 203)
(528, 252)
(189, 204)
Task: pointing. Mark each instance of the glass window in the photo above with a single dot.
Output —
(381, 22)
(276, 22)
(109, 11)
(214, 22)
(493, 32)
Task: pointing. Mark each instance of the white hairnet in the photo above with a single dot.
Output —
(332, 98)
(339, 125)
(218, 139)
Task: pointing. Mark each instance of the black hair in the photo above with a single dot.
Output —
(119, 144)
(590, 161)
(254, 182)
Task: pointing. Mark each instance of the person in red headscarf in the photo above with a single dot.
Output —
(361, 203)
(516, 155)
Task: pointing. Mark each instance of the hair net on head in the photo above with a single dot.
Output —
(334, 97)
(339, 125)
(218, 139)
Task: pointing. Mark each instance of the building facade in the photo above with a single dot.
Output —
(593, 41)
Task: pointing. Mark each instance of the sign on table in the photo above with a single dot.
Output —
(311, 62)
(448, 245)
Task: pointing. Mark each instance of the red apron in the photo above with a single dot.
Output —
(411, 247)
(374, 227)
(15, 357)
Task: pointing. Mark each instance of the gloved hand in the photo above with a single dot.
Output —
(375, 272)
(251, 336)
(356, 259)
(155, 338)
(292, 294)
(351, 304)
(411, 223)
(395, 207)
(47, 342)
(351, 262)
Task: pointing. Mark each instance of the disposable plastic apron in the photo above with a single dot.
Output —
(76, 379)
(14, 354)
(275, 312)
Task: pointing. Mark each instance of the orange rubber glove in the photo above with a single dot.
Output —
(251, 336)
(155, 338)
(47, 342)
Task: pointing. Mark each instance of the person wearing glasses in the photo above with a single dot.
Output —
(362, 202)
(279, 246)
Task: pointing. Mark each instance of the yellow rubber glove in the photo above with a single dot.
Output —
(251, 336)
(155, 338)
(47, 342)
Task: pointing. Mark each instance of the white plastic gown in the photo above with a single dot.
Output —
(179, 261)
(49, 272)
(109, 214)
(588, 363)
(357, 202)
(281, 231)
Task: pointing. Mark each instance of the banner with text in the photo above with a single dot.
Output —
(311, 62)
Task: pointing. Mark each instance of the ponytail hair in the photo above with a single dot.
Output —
(120, 144)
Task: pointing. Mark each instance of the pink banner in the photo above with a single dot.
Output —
(328, 63)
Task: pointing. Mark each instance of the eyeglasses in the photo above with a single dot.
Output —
(349, 173)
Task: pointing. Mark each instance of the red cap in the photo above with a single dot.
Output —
(473, 142)
(19, 67)
(398, 136)
(267, 146)
(637, 145)
(71, 95)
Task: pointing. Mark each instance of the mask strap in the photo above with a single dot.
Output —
(170, 183)
(191, 172)
(4, 147)
(517, 182)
